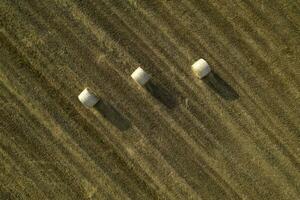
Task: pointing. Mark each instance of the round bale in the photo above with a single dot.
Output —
(88, 98)
(140, 76)
(201, 68)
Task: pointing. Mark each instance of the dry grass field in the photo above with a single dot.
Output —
(233, 135)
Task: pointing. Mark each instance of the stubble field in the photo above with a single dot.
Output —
(233, 135)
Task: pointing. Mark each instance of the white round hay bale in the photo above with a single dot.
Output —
(201, 68)
(140, 76)
(87, 98)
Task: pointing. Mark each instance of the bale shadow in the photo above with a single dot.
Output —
(161, 94)
(215, 82)
(112, 115)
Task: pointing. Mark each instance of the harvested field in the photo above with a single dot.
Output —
(233, 135)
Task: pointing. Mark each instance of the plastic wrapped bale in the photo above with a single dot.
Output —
(88, 98)
(201, 68)
(140, 76)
